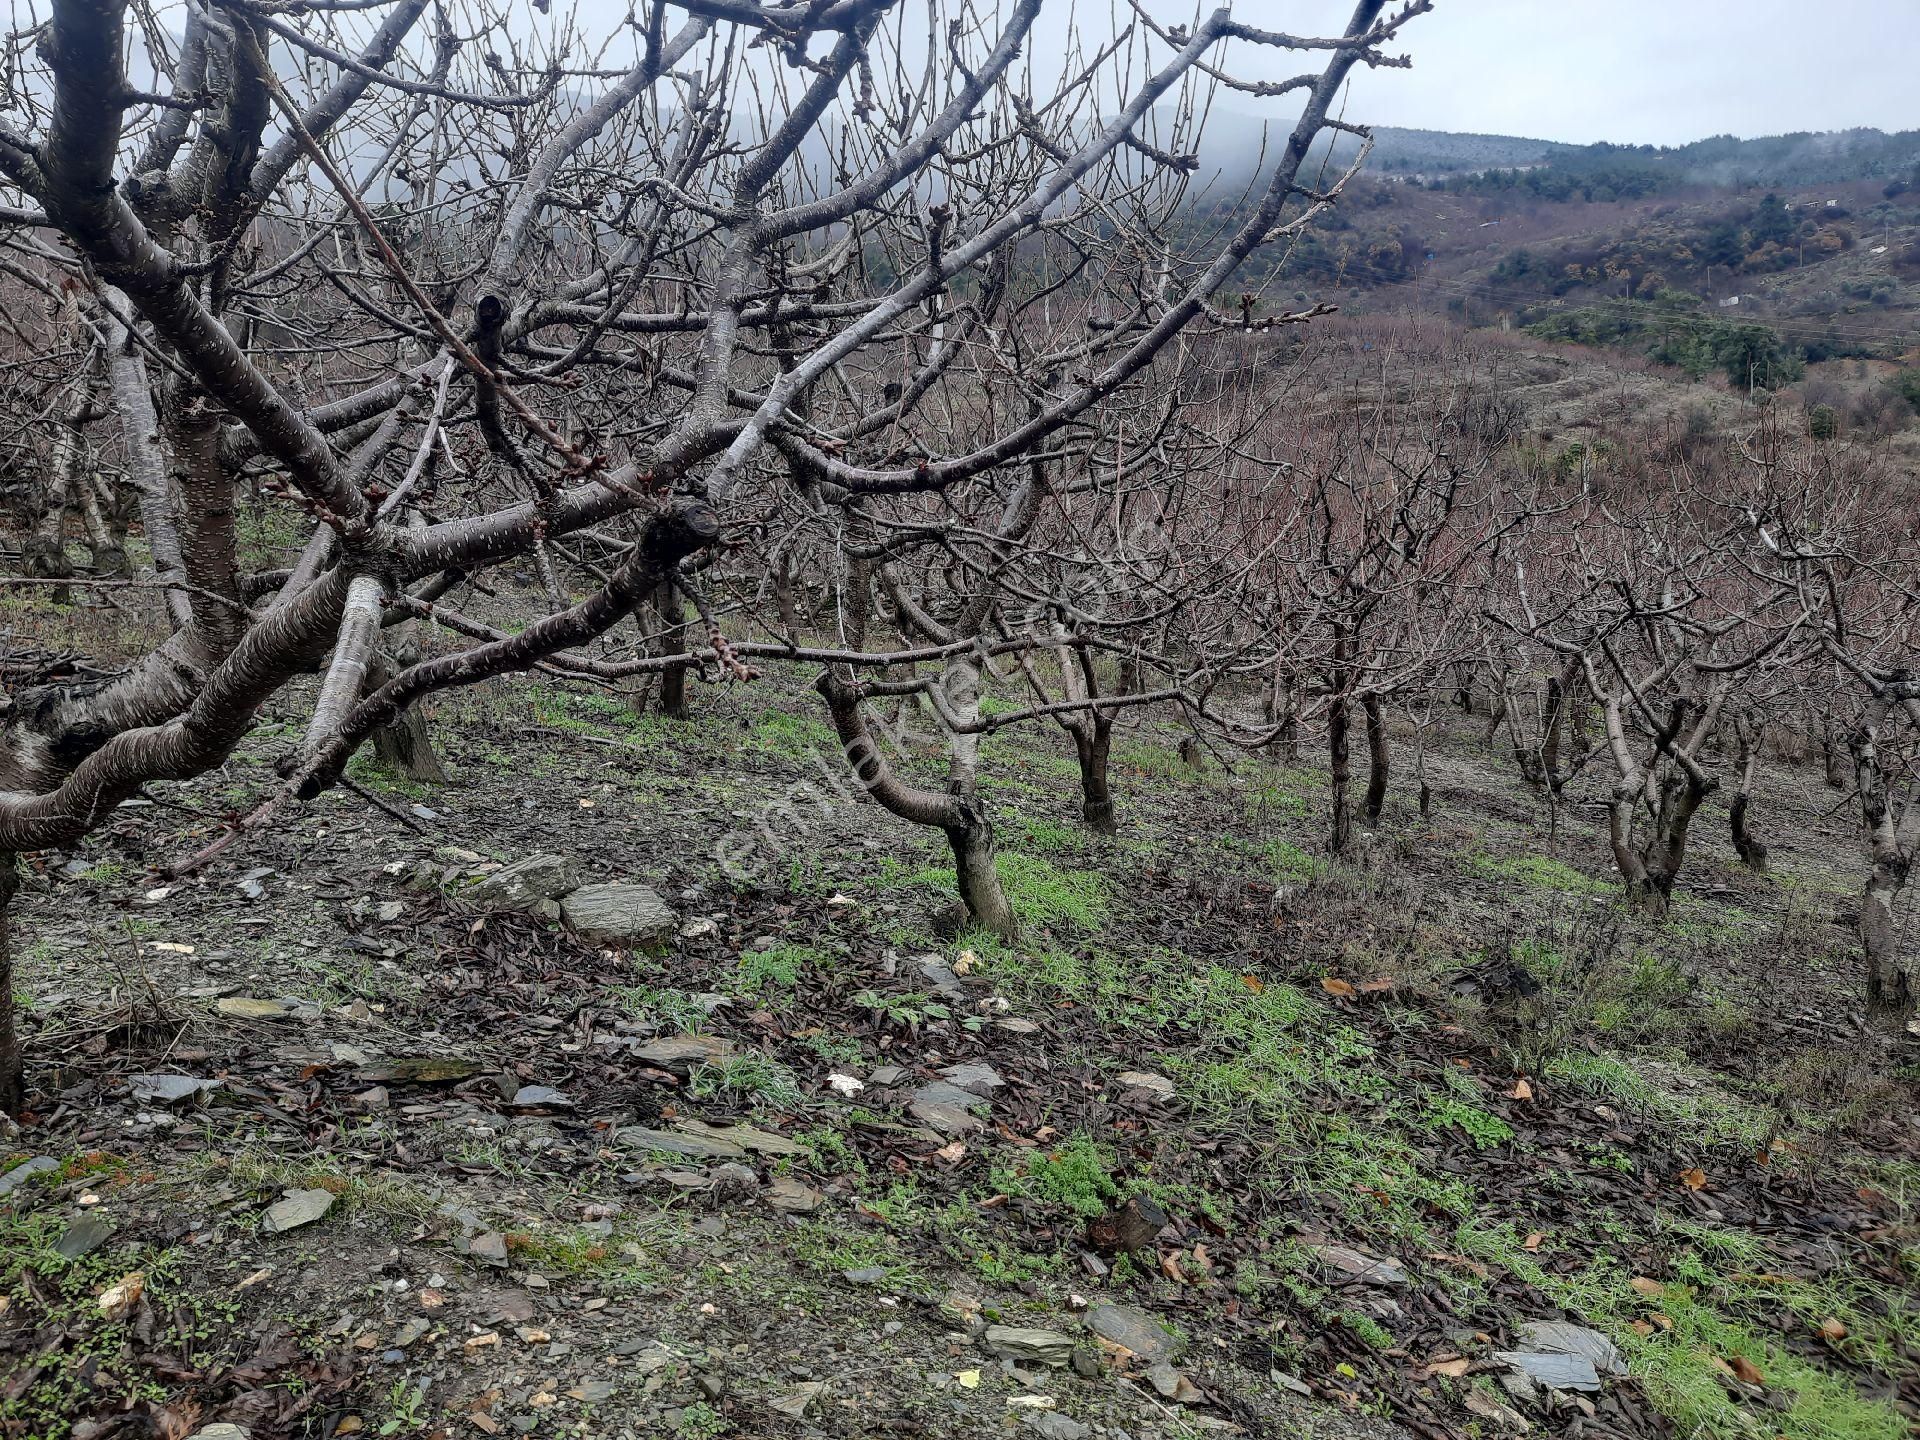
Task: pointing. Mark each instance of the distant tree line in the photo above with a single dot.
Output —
(1606, 171)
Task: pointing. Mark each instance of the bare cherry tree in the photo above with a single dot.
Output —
(472, 290)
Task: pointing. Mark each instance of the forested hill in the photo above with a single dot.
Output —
(1602, 170)
(1609, 171)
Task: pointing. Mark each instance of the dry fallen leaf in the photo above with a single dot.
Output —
(1253, 983)
(1453, 1369)
(969, 1379)
(1694, 1179)
(1532, 1242)
(964, 962)
(1644, 1286)
(1832, 1329)
(951, 1153)
(120, 1297)
(1521, 1090)
(1377, 986)
(1746, 1371)
(1339, 989)
(1641, 1327)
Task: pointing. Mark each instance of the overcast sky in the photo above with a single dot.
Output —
(1635, 71)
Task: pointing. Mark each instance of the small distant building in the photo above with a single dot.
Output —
(1728, 303)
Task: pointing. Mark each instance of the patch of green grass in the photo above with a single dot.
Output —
(1282, 799)
(1486, 1131)
(910, 1010)
(1043, 837)
(1042, 894)
(700, 1421)
(1536, 872)
(1154, 761)
(831, 1152)
(1371, 1333)
(835, 1049)
(1682, 1369)
(1280, 860)
(828, 1248)
(1703, 1113)
(749, 1077)
(792, 737)
(368, 769)
(674, 1012)
(1718, 1308)
(1076, 1176)
(776, 967)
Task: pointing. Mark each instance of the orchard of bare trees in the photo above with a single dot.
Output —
(865, 339)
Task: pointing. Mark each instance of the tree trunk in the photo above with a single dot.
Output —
(673, 679)
(1574, 699)
(1284, 714)
(1556, 729)
(1891, 998)
(1752, 852)
(783, 598)
(13, 1093)
(977, 877)
(1342, 767)
(405, 746)
(1497, 712)
(1658, 861)
(1091, 743)
(1463, 688)
(958, 815)
(1833, 754)
(1378, 759)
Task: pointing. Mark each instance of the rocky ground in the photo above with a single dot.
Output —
(520, 1106)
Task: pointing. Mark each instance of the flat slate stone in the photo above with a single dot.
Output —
(168, 1089)
(251, 1007)
(523, 884)
(1367, 1269)
(1055, 1426)
(1559, 1337)
(84, 1236)
(937, 973)
(296, 1208)
(680, 1053)
(943, 1106)
(1556, 1372)
(783, 1192)
(981, 1080)
(618, 914)
(760, 1142)
(1172, 1385)
(419, 1070)
(1131, 1329)
(25, 1171)
(1037, 1347)
(713, 1146)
